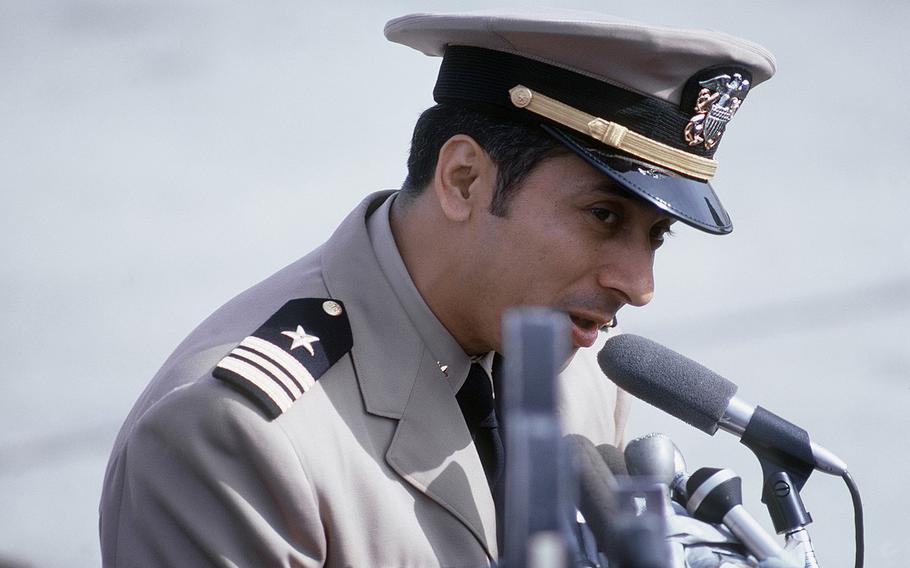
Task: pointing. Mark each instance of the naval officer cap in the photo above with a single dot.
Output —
(646, 105)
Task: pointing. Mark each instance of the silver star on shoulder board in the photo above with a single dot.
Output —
(301, 339)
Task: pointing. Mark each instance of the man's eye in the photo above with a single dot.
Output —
(659, 234)
(604, 215)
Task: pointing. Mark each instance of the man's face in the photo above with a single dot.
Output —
(572, 240)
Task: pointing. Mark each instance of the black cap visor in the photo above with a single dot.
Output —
(691, 201)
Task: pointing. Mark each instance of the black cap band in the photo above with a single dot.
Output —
(478, 75)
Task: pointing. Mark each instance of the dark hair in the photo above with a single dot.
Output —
(515, 147)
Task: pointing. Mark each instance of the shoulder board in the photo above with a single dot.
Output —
(287, 354)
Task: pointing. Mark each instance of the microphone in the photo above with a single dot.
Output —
(627, 539)
(652, 455)
(714, 501)
(715, 496)
(614, 459)
(596, 495)
(702, 398)
(657, 457)
(535, 489)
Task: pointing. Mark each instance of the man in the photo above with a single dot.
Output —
(326, 416)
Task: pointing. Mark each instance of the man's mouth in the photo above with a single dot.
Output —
(584, 323)
(585, 330)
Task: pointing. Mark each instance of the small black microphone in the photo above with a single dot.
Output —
(715, 496)
(702, 398)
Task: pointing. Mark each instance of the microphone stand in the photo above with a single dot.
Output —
(788, 514)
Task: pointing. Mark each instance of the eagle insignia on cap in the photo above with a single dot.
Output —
(716, 103)
(285, 357)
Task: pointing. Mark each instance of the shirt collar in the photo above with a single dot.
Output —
(486, 361)
(451, 357)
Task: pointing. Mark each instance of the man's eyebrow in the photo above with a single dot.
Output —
(611, 187)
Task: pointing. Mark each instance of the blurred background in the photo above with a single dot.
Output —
(159, 156)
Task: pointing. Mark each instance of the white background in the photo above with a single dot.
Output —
(158, 157)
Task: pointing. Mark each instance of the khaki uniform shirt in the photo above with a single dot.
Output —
(372, 466)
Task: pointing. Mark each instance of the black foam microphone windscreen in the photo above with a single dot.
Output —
(627, 538)
(614, 458)
(596, 498)
(665, 379)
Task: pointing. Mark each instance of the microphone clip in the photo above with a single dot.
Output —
(785, 453)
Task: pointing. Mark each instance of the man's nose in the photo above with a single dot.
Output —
(631, 274)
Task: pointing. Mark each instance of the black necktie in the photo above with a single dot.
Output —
(475, 398)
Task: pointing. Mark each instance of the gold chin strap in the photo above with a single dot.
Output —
(613, 134)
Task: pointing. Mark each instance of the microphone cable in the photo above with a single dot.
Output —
(857, 518)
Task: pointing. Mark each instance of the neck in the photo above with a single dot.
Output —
(427, 242)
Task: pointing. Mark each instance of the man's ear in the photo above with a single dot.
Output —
(464, 177)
